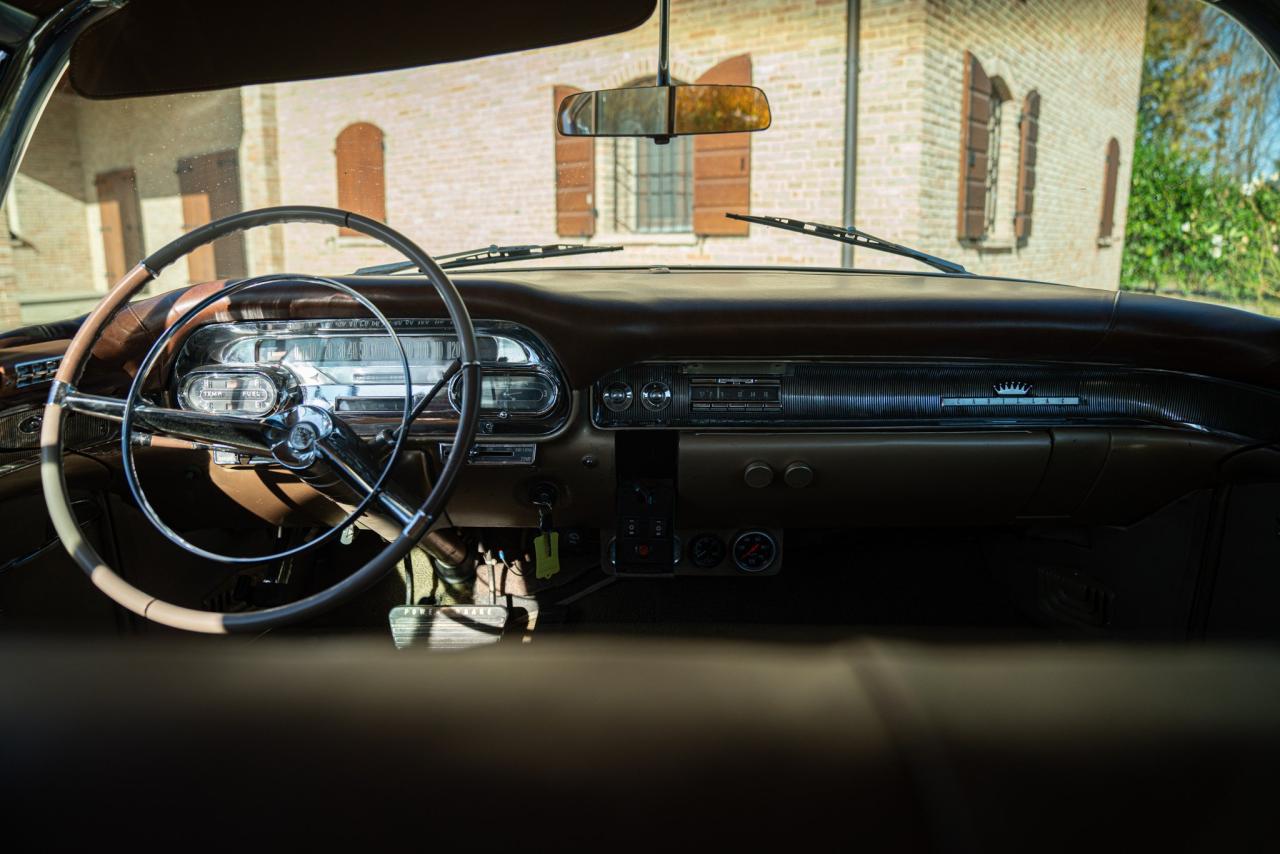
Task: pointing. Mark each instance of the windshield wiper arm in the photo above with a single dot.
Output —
(492, 255)
(854, 237)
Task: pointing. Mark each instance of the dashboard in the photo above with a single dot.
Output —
(690, 417)
(350, 366)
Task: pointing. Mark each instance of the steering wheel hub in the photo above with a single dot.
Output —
(302, 428)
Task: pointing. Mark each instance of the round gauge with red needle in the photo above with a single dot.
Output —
(754, 551)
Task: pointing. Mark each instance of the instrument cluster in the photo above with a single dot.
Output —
(353, 367)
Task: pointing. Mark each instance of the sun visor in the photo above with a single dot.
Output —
(153, 47)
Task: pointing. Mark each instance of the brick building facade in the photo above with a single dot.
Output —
(464, 155)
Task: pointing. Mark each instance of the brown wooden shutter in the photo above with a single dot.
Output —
(210, 187)
(575, 177)
(722, 163)
(975, 137)
(362, 184)
(121, 219)
(1029, 135)
(1109, 190)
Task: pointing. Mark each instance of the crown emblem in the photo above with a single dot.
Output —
(1014, 388)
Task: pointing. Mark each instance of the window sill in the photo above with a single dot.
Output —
(345, 241)
(640, 238)
(1104, 242)
(995, 247)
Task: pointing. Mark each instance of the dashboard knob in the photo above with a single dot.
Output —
(758, 475)
(617, 396)
(656, 395)
(798, 475)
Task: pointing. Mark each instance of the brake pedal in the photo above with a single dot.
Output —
(448, 627)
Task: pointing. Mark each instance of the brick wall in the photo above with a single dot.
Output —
(10, 308)
(1084, 58)
(47, 212)
(488, 175)
(469, 146)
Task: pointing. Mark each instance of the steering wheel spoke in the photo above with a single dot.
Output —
(249, 435)
(353, 461)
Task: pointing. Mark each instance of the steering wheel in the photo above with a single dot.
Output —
(309, 440)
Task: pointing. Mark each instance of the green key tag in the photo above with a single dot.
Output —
(546, 548)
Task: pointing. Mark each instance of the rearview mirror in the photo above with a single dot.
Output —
(664, 111)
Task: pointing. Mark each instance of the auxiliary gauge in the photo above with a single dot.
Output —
(706, 551)
(754, 551)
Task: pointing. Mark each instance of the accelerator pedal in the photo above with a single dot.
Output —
(447, 627)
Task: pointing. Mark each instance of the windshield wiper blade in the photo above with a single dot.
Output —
(854, 237)
(492, 255)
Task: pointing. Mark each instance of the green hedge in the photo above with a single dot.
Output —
(1193, 233)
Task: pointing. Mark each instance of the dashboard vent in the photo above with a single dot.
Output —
(36, 371)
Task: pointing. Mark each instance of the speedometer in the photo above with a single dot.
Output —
(754, 551)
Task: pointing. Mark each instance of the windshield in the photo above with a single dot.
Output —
(1127, 144)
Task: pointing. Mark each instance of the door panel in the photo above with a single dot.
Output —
(210, 185)
(121, 219)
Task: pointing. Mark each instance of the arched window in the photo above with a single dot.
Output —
(999, 189)
(362, 184)
(686, 185)
(998, 156)
(652, 183)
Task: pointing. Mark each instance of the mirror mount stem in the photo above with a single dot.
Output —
(664, 38)
(664, 66)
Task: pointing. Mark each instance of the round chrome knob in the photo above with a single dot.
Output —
(757, 475)
(616, 396)
(798, 475)
(656, 395)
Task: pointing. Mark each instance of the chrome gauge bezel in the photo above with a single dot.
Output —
(455, 393)
(754, 532)
(283, 384)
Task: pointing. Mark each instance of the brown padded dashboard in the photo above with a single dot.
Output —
(599, 320)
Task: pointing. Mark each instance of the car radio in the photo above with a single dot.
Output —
(735, 394)
(690, 394)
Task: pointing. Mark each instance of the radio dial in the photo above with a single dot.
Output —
(656, 395)
(617, 396)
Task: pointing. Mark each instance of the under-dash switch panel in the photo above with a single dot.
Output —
(645, 535)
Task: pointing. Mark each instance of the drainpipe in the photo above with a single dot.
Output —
(850, 125)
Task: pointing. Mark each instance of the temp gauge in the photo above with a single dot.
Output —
(754, 551)
(243, 393)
